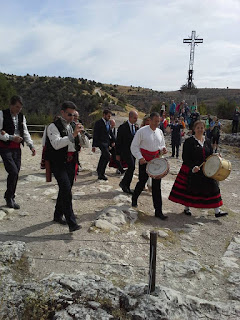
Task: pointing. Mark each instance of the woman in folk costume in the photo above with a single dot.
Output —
(192, 188)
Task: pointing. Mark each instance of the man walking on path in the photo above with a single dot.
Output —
(125, 135)
(103, 139)
(62, 154)
(146, 145)
(13, 133)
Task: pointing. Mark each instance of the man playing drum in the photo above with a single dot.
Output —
(147, 144)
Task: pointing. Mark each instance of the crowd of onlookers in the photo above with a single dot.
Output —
(182, 116)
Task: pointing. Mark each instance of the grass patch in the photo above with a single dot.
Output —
(40, 307)
(20, 269)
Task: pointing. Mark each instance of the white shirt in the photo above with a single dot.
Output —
(199, 141)
(114, 131)
(26, 134)
(146, 138)
(59, 142)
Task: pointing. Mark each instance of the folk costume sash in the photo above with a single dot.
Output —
(10, 145)
(149, 155)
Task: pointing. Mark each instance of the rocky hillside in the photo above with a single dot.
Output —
(43, 95)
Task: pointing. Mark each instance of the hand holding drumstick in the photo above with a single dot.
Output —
(197, 168)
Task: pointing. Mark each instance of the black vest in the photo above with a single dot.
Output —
(57, 156)
(76, 139)
(8, 125)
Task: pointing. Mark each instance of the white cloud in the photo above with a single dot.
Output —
(129, 42)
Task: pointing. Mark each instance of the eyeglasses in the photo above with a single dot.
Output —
(69, 114)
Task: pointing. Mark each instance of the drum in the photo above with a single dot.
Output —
(217, 168)
(157, 168)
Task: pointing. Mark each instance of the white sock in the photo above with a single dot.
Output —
(217, 210)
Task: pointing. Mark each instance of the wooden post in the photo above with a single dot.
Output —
(152, 261)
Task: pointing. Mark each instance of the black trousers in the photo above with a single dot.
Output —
(127, 179)
(12, 163)
(235, 126)
(175, 146)
(118, 163)
(64, 175)
(104, 159)
(156, 189)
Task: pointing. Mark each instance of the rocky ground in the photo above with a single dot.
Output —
(198, 257)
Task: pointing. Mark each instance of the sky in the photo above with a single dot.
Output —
(125, 42)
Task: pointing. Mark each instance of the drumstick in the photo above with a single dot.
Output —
(201, 164)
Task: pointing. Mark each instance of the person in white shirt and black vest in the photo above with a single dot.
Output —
(103, 139)
(14, 132)
(125, 135)
(146, 145)
(62, 154)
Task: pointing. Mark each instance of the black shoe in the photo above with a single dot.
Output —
(12, 204)
(134, 203)
(102, 178)
(75, 228)
(125, 188)
(161, 216)
(221, 214)
(187, 212)
(60, 220)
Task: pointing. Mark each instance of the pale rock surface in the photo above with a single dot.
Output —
(33, 178)
(11, 251)
(122, 198)
(23, 213)
(2, 214)
(162, 234)
(7, 210)
(88, 296)
(78, 195)
(111, 218)
(50, 191)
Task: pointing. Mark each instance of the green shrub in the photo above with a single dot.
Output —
(225, 109)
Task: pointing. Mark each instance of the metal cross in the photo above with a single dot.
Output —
(192, 41)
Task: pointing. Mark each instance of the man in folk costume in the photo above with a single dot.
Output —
(62, 154)
(13, 133)
(125, 136)
(147, 144)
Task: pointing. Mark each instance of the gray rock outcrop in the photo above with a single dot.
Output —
(84, 296)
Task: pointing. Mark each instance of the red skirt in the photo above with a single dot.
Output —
(113, 164)
(182, 193)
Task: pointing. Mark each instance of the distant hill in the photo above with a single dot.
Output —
(43, 96)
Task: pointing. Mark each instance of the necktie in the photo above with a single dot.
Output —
(133, 130)
(107, 126)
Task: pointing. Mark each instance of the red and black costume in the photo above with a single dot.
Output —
(195, 189)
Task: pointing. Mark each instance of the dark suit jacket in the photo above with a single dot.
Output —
(100, 134)
(124, 140)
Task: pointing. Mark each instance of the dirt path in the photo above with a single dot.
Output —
(122, 256)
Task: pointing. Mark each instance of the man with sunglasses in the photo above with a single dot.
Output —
(62, 154)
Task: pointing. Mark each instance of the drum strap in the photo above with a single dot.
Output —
(149, 155)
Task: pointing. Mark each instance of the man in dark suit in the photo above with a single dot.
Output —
(125, 136)
(103, 138)
(114, 162)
